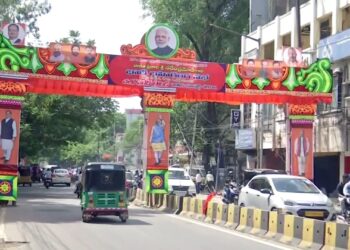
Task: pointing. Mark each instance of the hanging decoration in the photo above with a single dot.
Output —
(138, 71)
(157, 181)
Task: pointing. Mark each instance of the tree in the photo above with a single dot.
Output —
(192, 20)
(96, 142)
(49, 123)
(26, 11)
(132, 143)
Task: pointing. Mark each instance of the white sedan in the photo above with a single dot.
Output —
(61, 176)
(287, 194)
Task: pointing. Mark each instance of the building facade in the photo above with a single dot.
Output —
(325, 32)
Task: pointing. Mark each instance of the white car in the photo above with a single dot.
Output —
(180, 182)
(61, 176)
(287, 194)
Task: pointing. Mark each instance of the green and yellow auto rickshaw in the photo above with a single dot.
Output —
(103, 191)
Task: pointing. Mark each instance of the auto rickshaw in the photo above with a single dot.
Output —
(24, 176)
(103, 191)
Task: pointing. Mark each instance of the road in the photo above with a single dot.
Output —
(51, 219)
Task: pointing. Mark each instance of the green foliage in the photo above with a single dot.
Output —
(192, 20)
(133, 136)
(49, 123)
(96, 142)
(24, 11)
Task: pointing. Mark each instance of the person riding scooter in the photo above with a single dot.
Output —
(345, 202)
(230, 193)
(48, 178)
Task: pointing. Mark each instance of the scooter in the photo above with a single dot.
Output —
(345, 215)
(231, 193)
(47, 182)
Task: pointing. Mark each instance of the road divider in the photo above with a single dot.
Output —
(211, 212)
(303, 233)
(221, 214)
(232, 216)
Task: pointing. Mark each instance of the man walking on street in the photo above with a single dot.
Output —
(198, 182)
(210, 182)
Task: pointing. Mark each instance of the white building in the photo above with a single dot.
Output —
(325, 32)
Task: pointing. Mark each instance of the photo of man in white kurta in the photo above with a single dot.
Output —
(301, 150)
(8, 133)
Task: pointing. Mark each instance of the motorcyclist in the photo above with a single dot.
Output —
(78, 186)
(210, 181)
(343, 187)
(345, 205)
(47, 177)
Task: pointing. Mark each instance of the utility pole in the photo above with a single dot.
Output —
(217, 166)
(193, 137)
(260, 137)
(298, 23)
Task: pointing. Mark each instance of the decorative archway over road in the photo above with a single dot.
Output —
(160, 80)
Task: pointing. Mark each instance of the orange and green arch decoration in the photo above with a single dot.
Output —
(159, 80)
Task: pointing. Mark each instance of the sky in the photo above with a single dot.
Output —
(110, 23)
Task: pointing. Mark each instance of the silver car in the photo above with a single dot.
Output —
(287, 194)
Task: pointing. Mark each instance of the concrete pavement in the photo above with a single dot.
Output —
(51, 219)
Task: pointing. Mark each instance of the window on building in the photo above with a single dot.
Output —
(346, 19)
(339, 91)
(269, 51)
(326, 27)
(305, 37)
(267, 117)
(286, 40)
(247, 111)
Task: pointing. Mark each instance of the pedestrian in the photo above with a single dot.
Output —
(210, 181)
(198, 182)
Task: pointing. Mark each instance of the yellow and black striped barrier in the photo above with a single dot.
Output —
(192, 210)
(185, 206)
(199, 210)
(232, 216)
(245, 219)
(260, 222)
(221, 214)
(272, 227)
(313, 232)
(211, 212)
(289, 235)
(336, 236)
(164, 203)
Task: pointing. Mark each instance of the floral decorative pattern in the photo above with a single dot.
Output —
(158, 100)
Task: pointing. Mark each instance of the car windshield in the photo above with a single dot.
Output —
(178, 175)
(294, 185)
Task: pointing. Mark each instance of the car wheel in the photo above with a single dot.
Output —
(274, 209)
(242, 205)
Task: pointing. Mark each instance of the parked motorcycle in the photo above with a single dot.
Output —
(231, 193)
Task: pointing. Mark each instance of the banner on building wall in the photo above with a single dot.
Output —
(9, 136)
(302, 152)
(158, 134)
(8, 188)
(157, 181)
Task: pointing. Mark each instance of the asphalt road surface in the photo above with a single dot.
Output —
(51, 219)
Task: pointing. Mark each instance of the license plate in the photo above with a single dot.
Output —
(314, 214)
